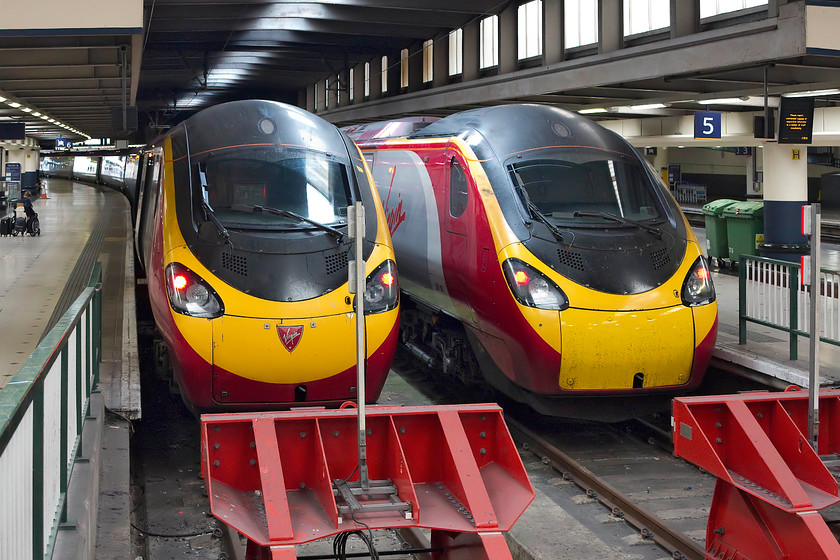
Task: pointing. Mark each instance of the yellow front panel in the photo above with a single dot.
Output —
(606, 349)
(252, 348)
(705, 317)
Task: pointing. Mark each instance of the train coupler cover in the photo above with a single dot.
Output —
(771, 483)
(291, 477)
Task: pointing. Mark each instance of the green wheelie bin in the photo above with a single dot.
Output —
(744, 228)
(717, 245)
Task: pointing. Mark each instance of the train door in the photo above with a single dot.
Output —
(459, 221)
(146, 205)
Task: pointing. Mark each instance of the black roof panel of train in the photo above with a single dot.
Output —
(255, 122)
(509, 129)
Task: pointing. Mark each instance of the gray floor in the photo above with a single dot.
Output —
(34, 271)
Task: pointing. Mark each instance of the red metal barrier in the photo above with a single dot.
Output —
(771, 483)
(276, 477)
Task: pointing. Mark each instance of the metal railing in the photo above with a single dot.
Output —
(689, 193)
(42, 411)
(770, 294)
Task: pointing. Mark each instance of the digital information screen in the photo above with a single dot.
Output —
(796, 120)
(12, 131)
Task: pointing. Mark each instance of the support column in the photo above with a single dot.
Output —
(508, 57)
(610, 25)
(375, 78)
(310, 98)
(331, 86)
(415, 66)
(471, 39)
(343, 88)
(785, 191)
(359, 84)
(394, 73)
(685, 17)
(554, 34)
(320, 100)
(440, 64)
(773, 7)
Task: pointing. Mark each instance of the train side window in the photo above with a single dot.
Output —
(458, 189)
(152, 177)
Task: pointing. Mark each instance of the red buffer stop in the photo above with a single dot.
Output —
(287, 478)
(771, 483)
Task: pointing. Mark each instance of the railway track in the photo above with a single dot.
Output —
(620, 503)
(628, 467)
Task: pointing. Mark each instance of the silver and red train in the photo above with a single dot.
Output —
(541, 254)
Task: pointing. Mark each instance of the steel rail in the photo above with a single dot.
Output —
(649, 525)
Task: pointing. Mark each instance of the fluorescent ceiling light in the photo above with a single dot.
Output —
(722, 101)
(46, 117)
(14, 104)
(2, 99)
(36, 114)
(812, 93)
(591, 111)
(648, 106)
(26, 110)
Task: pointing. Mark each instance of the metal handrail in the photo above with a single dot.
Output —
(42, 411)
(779, 301)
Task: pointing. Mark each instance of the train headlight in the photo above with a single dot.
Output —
(698, 288)
(533, 288)
(381, 289)
(190, 294)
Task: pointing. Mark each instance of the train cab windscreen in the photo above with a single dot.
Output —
(581, 187)
(277, 188)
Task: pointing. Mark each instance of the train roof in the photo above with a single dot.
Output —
(516, 128)
(259, 122)
(383, 130)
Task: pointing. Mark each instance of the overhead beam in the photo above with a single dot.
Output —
(704, 52)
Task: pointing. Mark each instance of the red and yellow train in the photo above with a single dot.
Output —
(547, 246)
(241, 227)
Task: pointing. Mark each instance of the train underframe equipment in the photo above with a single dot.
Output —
(771, 483)
(291, 477)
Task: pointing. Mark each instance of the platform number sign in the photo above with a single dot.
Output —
(706, 125)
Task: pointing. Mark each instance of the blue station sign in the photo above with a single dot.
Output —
(12, 171)
(707, 125)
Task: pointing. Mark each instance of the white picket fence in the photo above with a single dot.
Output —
(772, 295)
(42, 411)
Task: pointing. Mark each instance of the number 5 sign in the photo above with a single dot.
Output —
(706, 125)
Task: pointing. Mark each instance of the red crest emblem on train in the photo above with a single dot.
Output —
(290, 336)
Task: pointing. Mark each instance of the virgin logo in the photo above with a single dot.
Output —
(395, 216)
(290, 336)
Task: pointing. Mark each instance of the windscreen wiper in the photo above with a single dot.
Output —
(208, 213)
(534, 210)
(289, 214)
(621, 219)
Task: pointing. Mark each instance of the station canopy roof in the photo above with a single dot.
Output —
(190, 54)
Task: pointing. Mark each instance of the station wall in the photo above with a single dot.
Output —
(725, 175)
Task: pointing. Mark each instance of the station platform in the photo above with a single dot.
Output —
(82, 224)
(41, 276)
(765, 355)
